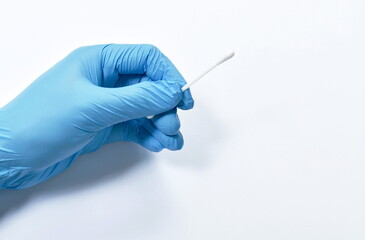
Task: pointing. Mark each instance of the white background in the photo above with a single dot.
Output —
(275, 147)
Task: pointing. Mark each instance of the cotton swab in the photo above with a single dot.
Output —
(188, 85)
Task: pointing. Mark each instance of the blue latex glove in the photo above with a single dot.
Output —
(96, 95)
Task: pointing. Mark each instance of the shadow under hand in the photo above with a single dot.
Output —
(202, 131)
(110, 161)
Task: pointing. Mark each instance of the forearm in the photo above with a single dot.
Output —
(16, 178)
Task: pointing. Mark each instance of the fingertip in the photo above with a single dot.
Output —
(186, 105)
(178, 143)
(167, 122)
(187, 102)
(174, 142)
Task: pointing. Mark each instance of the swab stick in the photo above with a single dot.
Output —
(188, 85)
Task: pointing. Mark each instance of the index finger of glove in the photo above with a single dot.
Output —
(119, 59)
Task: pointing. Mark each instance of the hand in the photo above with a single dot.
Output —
(96, 95)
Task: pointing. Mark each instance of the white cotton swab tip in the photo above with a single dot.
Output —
(228, 56)
(188, 85)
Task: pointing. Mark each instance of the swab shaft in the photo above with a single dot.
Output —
(188, 85)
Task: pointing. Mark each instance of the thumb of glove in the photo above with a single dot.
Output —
(116, 105)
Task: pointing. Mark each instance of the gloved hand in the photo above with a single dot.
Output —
(96, 95)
